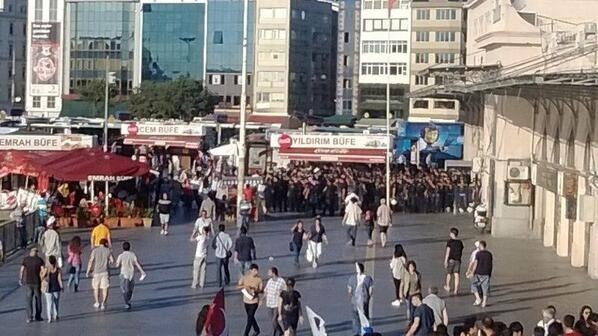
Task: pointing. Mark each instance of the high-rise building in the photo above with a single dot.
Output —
(347, 63)
(13, 38)
(384, 57)
(295, 58)
(437, 40)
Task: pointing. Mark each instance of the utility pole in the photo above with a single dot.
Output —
(109, 79)
(242, 115)
(389, 145)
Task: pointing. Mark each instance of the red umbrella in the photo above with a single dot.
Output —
(20, 162)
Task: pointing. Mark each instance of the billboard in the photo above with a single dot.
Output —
(431, 143)
(45, 59)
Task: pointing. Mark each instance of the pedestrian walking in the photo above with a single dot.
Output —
(50, 243)
(200, 259)
(17, 216)
(163, 207)
(398, 267)
(317, 236)
(289, 309)
(368, 220)
(583, 325)
(274, 287)
(481, 271)
(548, 318)
(29, 279)
(251, 287)
(410, 285)
(351, 220)
(423, 317)
(203, 221)
(42, 215)
(360, 288)
(297, 240)
(51, 286)
(74, 249)
(438, 306)
(208, 206)
(99, 232)
(127, 261)
(384, 218)
(99, 261)
(222, 245)
(244, 250)
(452, 260)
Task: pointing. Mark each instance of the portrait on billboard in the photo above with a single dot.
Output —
(519, 193)
(430, 143)
(45, 58)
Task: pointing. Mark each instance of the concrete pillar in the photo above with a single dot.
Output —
(593, 254)
(562, 234)
(549, 218)
(578, 248)
(538, 209)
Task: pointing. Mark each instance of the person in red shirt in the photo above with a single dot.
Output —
(248, 193)
(568, 323)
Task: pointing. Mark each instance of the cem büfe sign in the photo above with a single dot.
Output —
(45, 142)
(351, 141)
(160, 129)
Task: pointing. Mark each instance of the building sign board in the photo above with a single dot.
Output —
(161, 129)
(45, 142)
(328, 141)
(45, 59)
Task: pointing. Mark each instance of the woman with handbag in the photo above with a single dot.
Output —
(297, 240)
(51, 276)
(74, 259)
(317, 235)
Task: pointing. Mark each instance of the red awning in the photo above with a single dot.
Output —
(21, 162)
(92, 164)
(191, 142)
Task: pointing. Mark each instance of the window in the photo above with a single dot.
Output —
(421, 58)
(380, 69)
(446, 14)
(346, 35)
(445, 36)
(382, 24)
(51, 102)
(445, 58)
(346, 83)
(9, 95)
(422, 14)
(24, 29)
(218, 39)
(53, 10)
(444, 104)
(237, 100)
(266, 13)
(11, 28)
(270, 77)
(421, 80)
(420, 104)
(9, 72)
(272, 34)
(376, 47)
(369, 4)
(422, 36)
(216, 79)
(267, 97)
(347, 104)
(36, 102)
(346, 60)
(281, 13)
(39, 10)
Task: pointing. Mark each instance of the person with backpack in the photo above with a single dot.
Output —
(222, 245)
(164, 205)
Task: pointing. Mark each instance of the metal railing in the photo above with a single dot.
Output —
(9, 235)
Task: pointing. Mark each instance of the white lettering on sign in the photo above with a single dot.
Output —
(44, 142)
(161, 129)
(349, 141)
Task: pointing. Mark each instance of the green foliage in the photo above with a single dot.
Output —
(183, 98)
(94, 93)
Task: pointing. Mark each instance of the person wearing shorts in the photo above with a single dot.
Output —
(164, 205)
(99, 261)
(452, 260)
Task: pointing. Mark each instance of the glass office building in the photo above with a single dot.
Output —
(172, 41)
(225, 36)
(97, 30)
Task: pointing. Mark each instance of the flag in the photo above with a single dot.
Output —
(390, 4)
(316, 323)
(216, 319)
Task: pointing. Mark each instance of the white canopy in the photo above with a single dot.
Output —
(224, 150)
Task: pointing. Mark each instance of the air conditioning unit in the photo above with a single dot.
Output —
(518, 173)
(590, 28)
(587, 210)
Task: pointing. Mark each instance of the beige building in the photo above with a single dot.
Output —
(437, 40)
(295, 58)
(530, 89)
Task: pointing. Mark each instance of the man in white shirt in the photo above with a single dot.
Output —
(222, 244)
(272, 291)
(51, 242)
(201, 253)
(351, 220)
(202, 222)
(127, 261)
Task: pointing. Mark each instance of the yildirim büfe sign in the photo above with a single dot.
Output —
(329, 141)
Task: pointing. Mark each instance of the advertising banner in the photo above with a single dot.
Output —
(435, 142)
(45, 59)
(46, 142)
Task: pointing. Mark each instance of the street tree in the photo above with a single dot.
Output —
(94, 92)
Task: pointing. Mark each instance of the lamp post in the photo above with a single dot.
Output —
(242, 114)
(109, 79)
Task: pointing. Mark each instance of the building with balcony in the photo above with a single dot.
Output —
(13, 41)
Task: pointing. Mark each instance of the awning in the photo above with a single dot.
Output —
(21, 162)
(224, 150)
(190, 142)
(332, 158)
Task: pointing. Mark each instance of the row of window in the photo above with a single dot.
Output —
(272, 13)
(53, 10)
(381, 69)
(439, 58)
(377, 47)
(441, 14)
(270, 97)
(272, 34)
(441, 36)
(379, 4)
(382, 24)
(22, 9)
(23, 72)
(438, 104)
(271, 76)
(220, 79)
(36, 102)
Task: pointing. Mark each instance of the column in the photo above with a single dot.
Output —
(549, 216)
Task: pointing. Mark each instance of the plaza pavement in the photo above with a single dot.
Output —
(527, 277)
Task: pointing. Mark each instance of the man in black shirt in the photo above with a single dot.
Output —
(423, 318)
(481, 270)
(452, 260)
(29, 279)
(244, 250)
